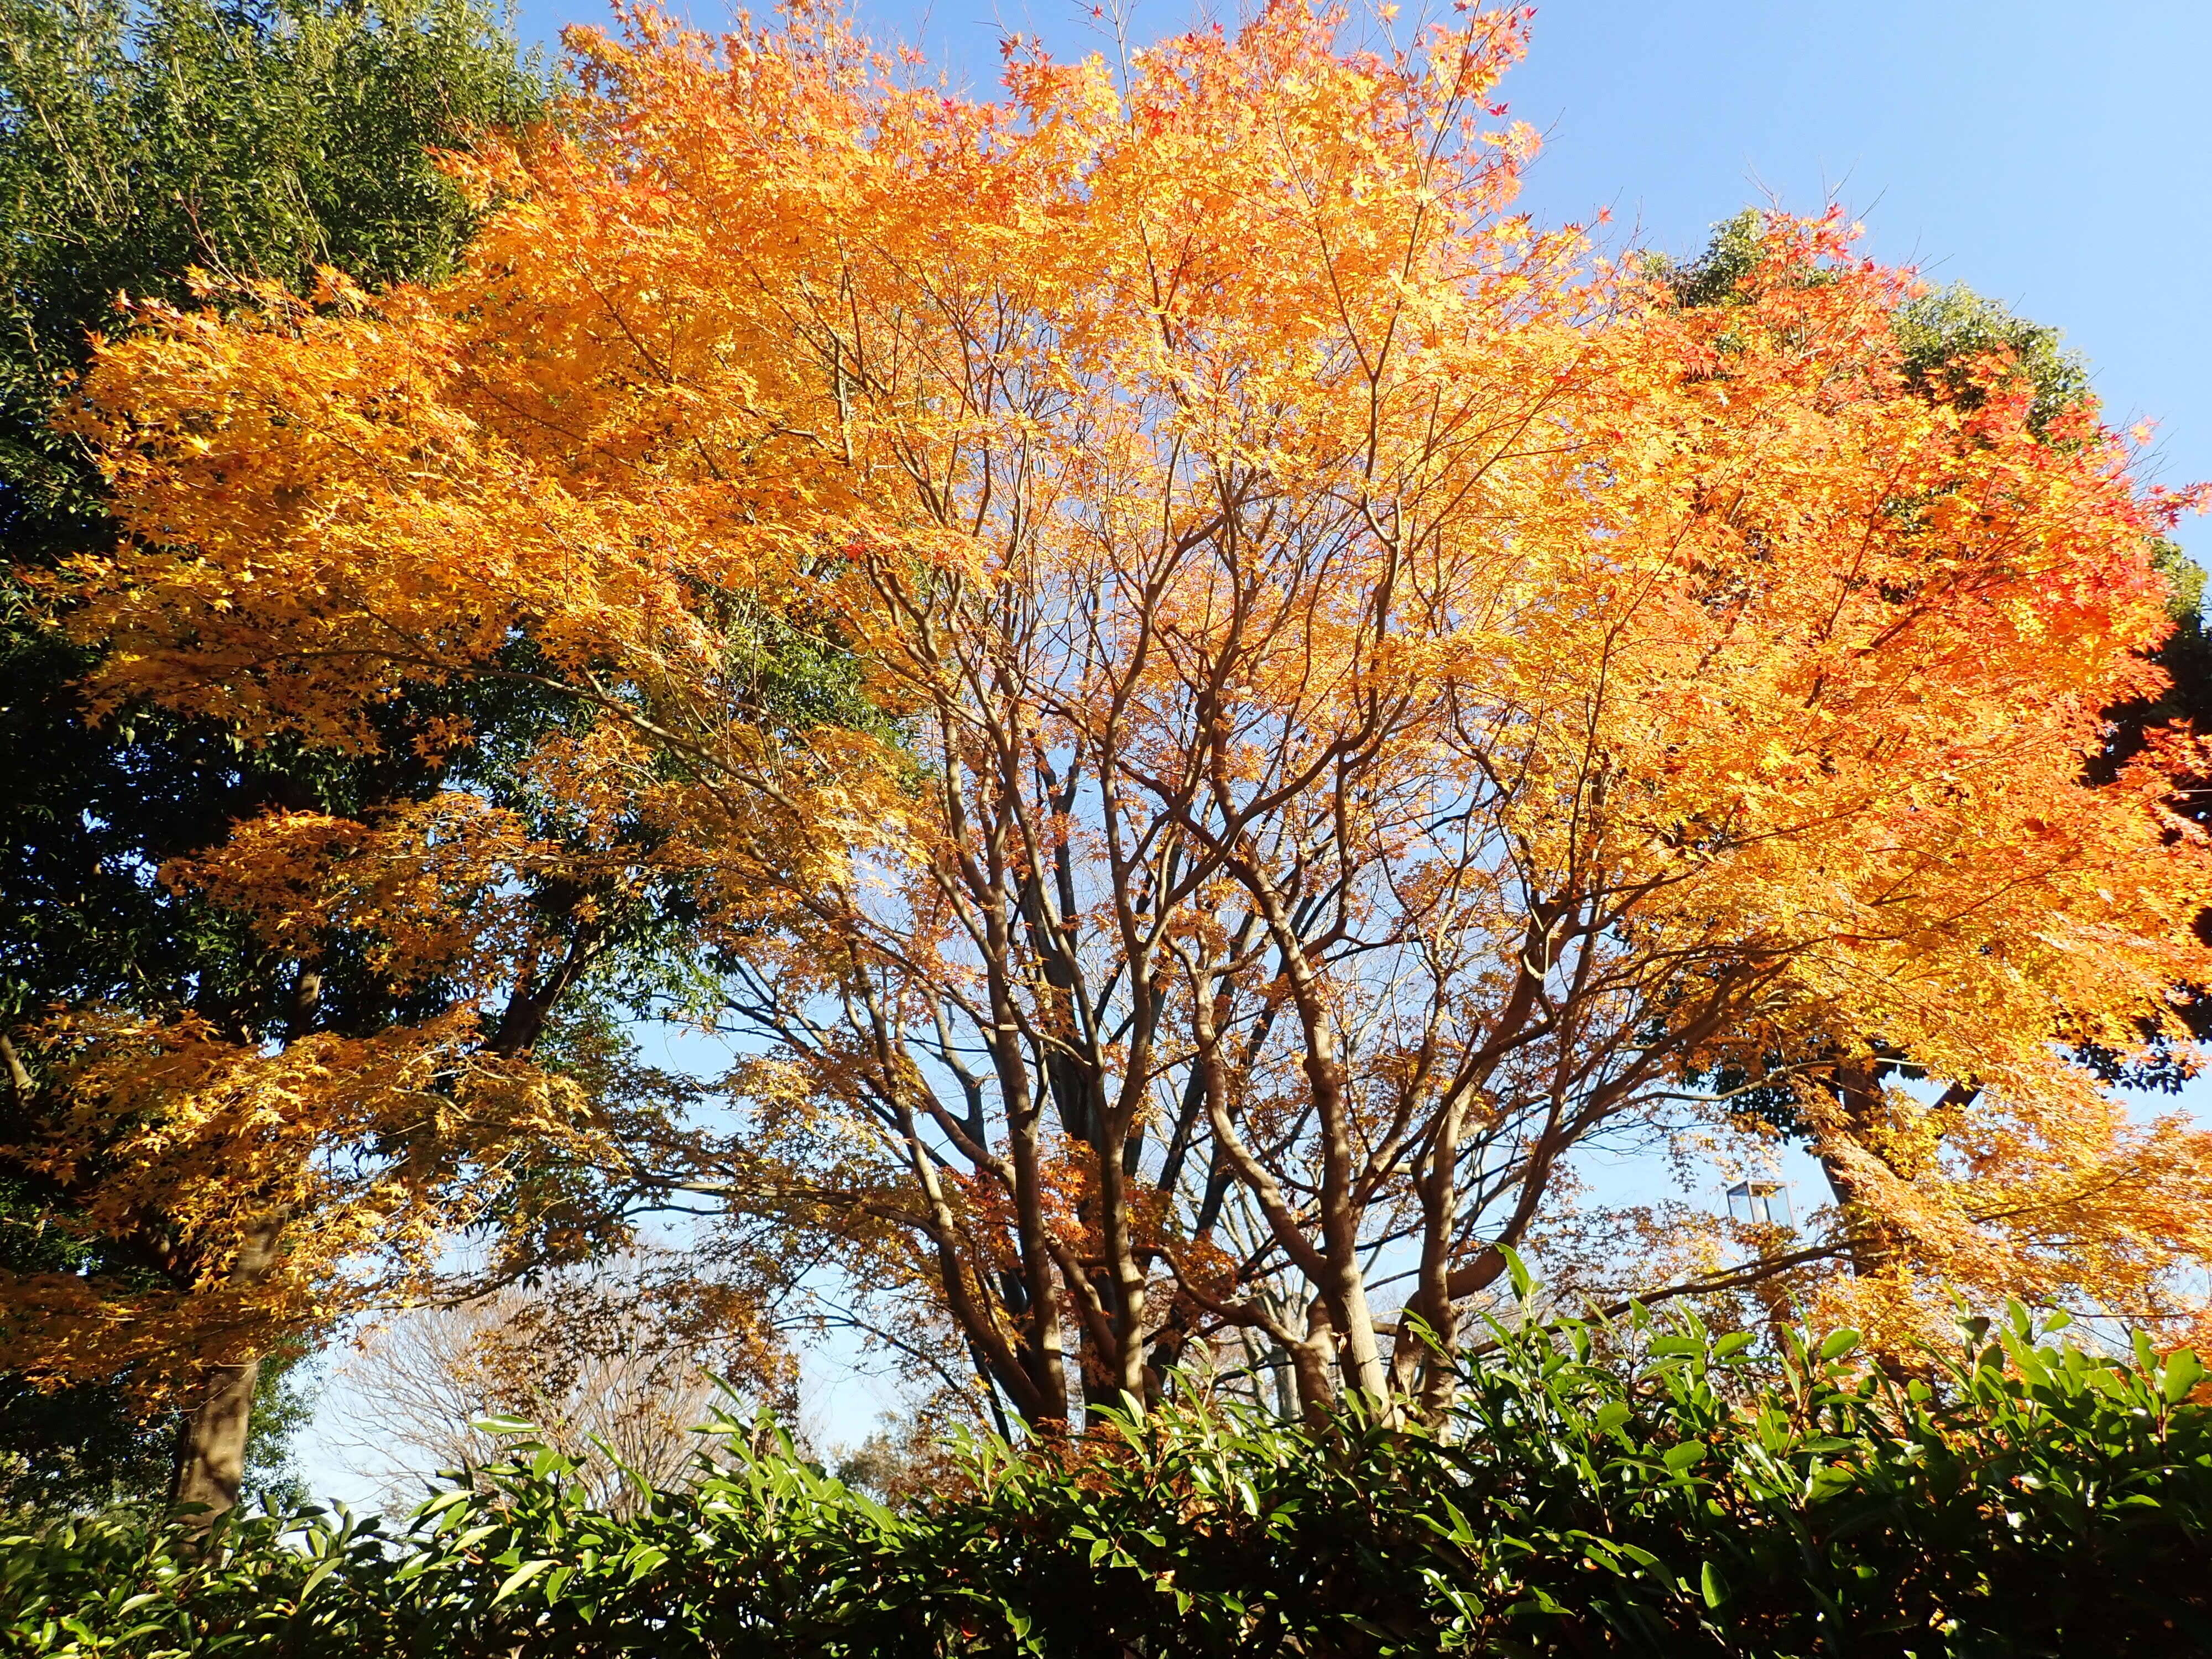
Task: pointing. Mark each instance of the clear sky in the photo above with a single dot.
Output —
(2056, 157)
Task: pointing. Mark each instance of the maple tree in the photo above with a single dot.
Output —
(137, 141)
(1220, 705)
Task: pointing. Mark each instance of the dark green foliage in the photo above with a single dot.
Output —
(75, 1449)
(69, 1448)
(2024, 1498)
(1719, 275)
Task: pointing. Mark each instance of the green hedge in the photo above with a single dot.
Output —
(2025, 1497)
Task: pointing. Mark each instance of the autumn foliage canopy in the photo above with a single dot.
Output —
(1214, 706)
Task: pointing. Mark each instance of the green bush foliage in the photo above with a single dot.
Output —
(2023, 1497)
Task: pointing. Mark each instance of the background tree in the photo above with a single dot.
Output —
(1352, 709)
(148, 151)
(1959, 349)
(600, 1363)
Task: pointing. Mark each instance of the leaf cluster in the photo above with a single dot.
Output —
(1946, 336)
(145, 149)
(141, 143)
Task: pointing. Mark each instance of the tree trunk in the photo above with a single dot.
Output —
(211, 1444)
(1313, 1364)
(18, 1080)
(211, 1441)
(1859, 1092)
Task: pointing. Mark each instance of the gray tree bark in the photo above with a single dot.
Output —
(211, 1444)
(211, 1441)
